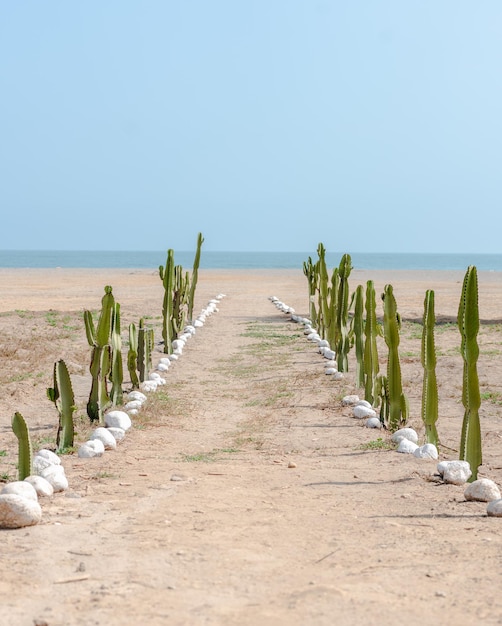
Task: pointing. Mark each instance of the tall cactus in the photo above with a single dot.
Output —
(132, 356)
(323, 319)
(167, 277)
(371, 331)
(25, 456)
(195, 276)
(310, 270)
(62, 396)
(342, 313)
(145, 346)
(430, 387)
(398, 402)
(357, 334)
(468, 324)
(117, 371)
(98, 338)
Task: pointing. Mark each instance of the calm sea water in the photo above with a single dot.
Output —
(243, 260)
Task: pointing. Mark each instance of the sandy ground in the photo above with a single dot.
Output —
(245, 493)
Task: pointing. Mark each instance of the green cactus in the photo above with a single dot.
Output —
(342, 312)
(468, 324)
(195, 276)
(145, 346)
(132, 356)
(25, 464)
(98, 338)
(398, 402)
(381, 396)
(117, 371)
(62, 396)
(167, 277)
(371, 331)
(357, 334)
(180, 300)
(430, 387)
(323, 319)
(311, 272)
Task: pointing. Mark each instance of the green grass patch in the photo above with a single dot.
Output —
(378, 444)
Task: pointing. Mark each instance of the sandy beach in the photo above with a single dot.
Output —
(245, 493)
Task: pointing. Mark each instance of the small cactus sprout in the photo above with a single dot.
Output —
(430, 387)
(468, 325)
(25, 465)
(398, 402)
(62, 396)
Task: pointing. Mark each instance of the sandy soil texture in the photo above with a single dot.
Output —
(245, 493)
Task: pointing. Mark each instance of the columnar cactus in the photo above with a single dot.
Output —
(25, 457)
(371, 331)
(195, 276)
(323, 319)
(167, 277)
(117, 371)
(430, 387)
(132, 356)
(99, 338)
(342, 312)
(398, 402)
(357, 333)
(468, 324)
(145, 346)
(62, 396)
(310, 270)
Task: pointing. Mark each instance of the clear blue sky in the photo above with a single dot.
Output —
(266, 124)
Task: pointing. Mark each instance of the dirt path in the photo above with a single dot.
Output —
(245, 494)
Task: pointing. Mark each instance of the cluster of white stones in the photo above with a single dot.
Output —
(330, 366)
(19, 504)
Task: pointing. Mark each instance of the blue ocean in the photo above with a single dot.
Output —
(243, 260)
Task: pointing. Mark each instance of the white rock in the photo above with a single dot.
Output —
(50, 456)
(165, 361)
(173, 357)
(163, 367)
(21, 488)
(118, 433)
(427, 451)
(373, 422)
(330, 363)
(323, 343)
(364, 403)
(17, 512)
(338, 376)
(132, 412)
(149, 385)
(330, 370)
(118, 419)
(91, 448)
(105, 436)
(329, 354)
(454, 472)
(406, 446)
(313, 337)
(198, 323)
(133, 404)
(405, 433)
(136, 395)
(350, 400)
(482, 490)
(363, 412)
(56, 476)
(494, 508)
(41, 485)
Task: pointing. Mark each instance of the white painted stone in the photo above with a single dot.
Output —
(148, 386)
(363, 412)
(162, 367)
(373, 422)
(56, 476)
(364, 403)
(118, 433)
(17, 512)
(405, 433)
(132, 412)
(427, 451)
(406, 446)
(133, 404)
(482, 490)
(91, 448)
(329, 354)
(105, 436)
(21, 488)
(136, 395)
(173, 357)
(350, 400)
(330, 370)
(41, 485)
(43, 458)
(50, 456)
(323, 343)
(494, 508)
(330, 363)
(454, 472)
(118, 419)
(338, 376)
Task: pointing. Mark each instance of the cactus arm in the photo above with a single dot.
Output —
(195, 276)
(167, 277)
(343, 343)
(62, 396)
(357, 332)
(468, 323)
(371, 330)
(428, 356)
(117, 371)
(132, 356)
(25, 465)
